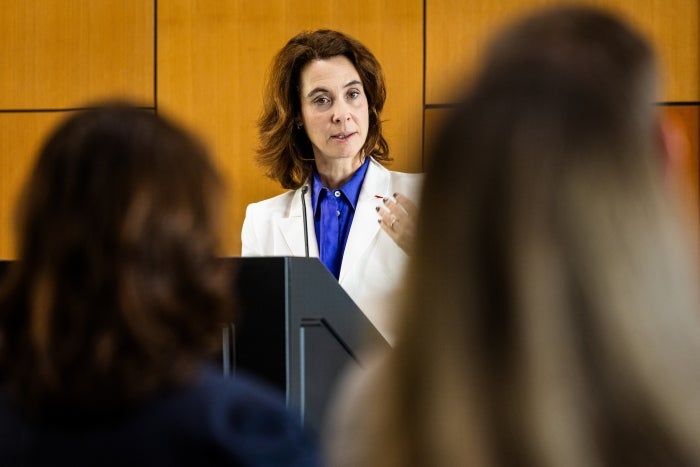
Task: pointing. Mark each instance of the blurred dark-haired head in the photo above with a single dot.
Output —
(118, 291)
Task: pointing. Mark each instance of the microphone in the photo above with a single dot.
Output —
(304, 189)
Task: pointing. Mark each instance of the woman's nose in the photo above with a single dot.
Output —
(341, 113)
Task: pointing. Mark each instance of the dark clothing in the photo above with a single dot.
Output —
(214, 421)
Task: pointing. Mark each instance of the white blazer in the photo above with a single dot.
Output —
(373, 265)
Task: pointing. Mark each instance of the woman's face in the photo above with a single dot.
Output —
(334, 110)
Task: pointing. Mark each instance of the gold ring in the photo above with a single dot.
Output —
(391, 226)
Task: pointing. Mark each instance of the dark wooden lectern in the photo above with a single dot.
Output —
(297, 329)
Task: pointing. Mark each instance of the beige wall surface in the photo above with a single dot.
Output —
(57, 55)
(203, 63)
(457, 32)
(65, 53)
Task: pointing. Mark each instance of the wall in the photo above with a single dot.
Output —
(203, 62)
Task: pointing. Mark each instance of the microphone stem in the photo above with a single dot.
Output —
(304, 189)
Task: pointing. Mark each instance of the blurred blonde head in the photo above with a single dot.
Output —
(550, 315)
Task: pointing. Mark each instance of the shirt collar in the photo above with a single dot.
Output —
(351, 189)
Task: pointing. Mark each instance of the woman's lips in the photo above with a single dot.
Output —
(343, 136)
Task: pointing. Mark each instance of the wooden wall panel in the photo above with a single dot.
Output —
(212, 59)
(457, 33)
(63, 53)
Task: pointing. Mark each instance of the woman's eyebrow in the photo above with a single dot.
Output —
(316, 91)
(319, 89)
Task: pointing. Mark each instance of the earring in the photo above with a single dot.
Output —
(299, 125)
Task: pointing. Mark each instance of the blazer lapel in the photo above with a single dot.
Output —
(292, 227)
(365, 227)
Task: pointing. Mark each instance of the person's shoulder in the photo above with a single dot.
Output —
(377, 165)
(270, 206)
(277, 199)
(251, 418)
(241, 385)
(409, 184)
(241, 393)
(409, 176)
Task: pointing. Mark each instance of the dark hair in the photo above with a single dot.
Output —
(117, 292)
(285, 150)
(550, 315)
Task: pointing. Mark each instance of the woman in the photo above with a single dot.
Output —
(551, 319)
(321, 134)
(110, 317)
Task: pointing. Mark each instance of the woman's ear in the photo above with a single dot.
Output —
(679, 168)
(673, 144)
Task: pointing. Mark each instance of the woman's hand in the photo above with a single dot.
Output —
(397, 217)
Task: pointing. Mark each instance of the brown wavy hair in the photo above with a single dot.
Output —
(118, 291)
(285, 151)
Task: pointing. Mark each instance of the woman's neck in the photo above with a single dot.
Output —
(336, 174)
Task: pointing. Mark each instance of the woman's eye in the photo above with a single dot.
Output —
(354, 94)
(322, 100)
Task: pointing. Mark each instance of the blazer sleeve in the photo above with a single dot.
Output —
(250, 243)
